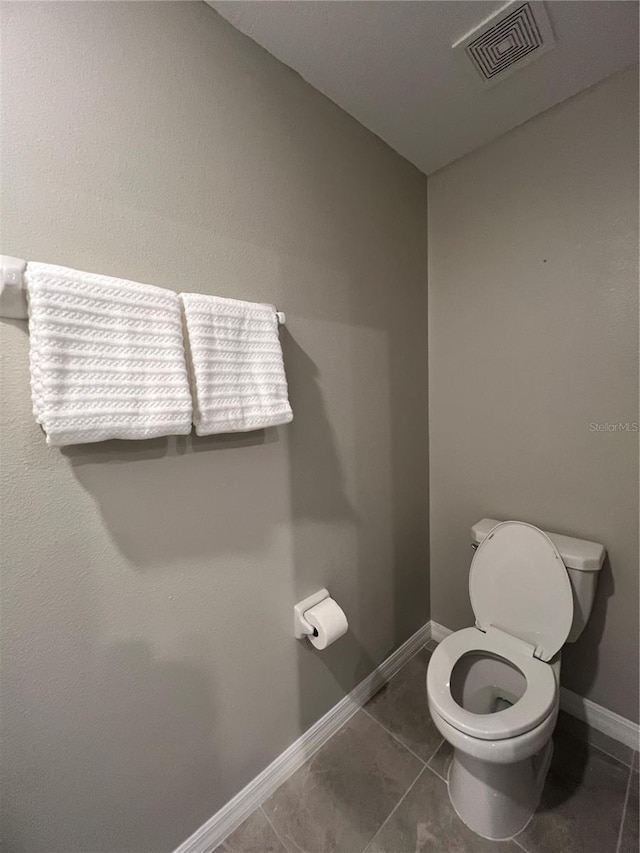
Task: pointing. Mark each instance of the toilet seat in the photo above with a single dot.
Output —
(537, 702)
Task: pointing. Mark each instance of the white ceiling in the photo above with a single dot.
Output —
(389, 64)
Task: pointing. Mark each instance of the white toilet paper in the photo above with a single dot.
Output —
(329, 621)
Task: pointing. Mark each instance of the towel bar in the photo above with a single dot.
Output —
(13, 299)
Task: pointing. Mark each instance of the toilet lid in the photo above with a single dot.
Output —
(519, 584)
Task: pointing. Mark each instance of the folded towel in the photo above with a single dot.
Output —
(237, 372)
(107, 357)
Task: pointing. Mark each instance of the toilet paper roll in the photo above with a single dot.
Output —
(329, 621)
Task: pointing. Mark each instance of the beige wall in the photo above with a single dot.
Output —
(149, 665)
(533, 336)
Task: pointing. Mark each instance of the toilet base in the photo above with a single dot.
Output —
(497, 801)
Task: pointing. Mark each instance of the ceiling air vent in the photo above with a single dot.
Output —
(511, 38)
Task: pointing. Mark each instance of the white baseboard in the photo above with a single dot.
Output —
(438, 632)
(600, 718)
(217, 828)
(596, 716)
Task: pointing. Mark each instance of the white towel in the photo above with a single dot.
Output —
(237, 371)
(107, 357)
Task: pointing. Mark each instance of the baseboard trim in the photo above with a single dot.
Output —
(596, 716)
(217, 828)
(600, 718)
(438, 632)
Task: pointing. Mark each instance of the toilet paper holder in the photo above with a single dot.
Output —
(301, 627)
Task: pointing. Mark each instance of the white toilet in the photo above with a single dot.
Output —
(493, 690)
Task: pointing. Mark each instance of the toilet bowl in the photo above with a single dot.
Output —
(497, 706)
(493, 690)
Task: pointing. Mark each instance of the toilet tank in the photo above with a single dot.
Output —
(583, 561)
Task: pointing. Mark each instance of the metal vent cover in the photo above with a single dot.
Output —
(514, 36)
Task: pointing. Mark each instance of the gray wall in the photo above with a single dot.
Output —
(149, 666)
(533, 336)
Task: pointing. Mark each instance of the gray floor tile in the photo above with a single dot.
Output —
(339, 799)
(440, 761)
(401, 707)
(582, 802)
(426, 822)
(630, 836)
(255, 835)
(579, 729)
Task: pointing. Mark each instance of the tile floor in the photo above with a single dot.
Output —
(378, 786)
